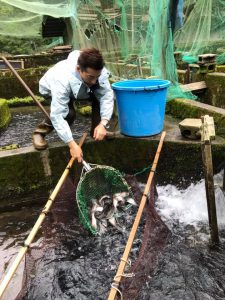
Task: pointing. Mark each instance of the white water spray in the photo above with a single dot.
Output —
(189, 206)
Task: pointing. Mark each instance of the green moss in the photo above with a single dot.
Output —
(180, 109)
(24, 72)
(85, 110)
(10, 87)
(21, 174)
(5, 115)
(220, 69)
(9, 147)
(26, 101)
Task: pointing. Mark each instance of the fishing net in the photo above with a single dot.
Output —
(93, 185)
(67, 262)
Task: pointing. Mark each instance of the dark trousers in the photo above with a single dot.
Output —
(46, 125)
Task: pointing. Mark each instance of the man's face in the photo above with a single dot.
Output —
(89, 75)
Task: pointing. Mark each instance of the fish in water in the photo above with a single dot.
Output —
(104, 210)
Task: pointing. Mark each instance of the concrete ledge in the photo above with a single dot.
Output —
(26, 172)
(216, 88)
(185, 108)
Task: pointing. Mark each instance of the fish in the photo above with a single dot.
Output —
(104, 211)
(95, 208)
(114, 222)
(102, 226)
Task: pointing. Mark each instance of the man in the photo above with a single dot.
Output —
(81, 76)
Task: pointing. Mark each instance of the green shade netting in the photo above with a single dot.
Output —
(203, 30)
(21, 18)
(135, 36)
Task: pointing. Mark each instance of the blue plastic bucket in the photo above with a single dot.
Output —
(141, 106)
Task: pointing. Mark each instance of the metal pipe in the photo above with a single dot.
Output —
(25, 86)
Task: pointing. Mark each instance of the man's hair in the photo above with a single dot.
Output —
(90, 58)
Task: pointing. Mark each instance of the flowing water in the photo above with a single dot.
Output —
(24, 121)
(189, 268)
(83, 266)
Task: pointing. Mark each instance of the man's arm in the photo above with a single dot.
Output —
(106, 99)
(59, 111)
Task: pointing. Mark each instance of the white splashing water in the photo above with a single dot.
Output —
(189, 206)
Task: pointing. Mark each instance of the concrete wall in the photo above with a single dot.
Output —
(34, 68)
(26, 172)
(38, 64)
(37, 60)
(185, 108)
(10, 86)
(5, 115)
(215, 82)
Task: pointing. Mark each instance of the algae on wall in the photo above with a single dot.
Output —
(10, 86)
(5, 115)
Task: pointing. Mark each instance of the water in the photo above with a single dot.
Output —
(189, 206)
(82, 266)
(14, 227)
(25, 119)
(189, 268)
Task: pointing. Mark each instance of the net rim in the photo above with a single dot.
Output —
(84, 174)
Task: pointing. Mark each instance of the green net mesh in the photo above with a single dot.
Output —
(99, 181)
(137, 38)
(203, 28)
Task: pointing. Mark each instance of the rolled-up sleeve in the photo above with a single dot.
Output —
(106, 98)
(59, 111)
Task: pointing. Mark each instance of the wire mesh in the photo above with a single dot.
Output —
(98, 182)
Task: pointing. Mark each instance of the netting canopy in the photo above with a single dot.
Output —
(137, 38)
(203, 29)
(23, 18)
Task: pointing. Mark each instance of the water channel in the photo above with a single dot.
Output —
(82, 266)
(25, 119)
(72, 264)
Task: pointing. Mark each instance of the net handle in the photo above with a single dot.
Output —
(37, 225)
(86, 165)
(126, 253)
(26, 87)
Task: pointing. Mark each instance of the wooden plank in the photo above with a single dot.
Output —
(194, 86)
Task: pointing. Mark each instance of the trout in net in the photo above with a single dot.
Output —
(109, 209)
(103, 197)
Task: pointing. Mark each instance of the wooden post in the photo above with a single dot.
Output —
(207, 133)
(224, 179)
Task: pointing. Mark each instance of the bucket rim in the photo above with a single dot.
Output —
(159, 84)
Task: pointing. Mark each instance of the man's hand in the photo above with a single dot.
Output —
(75, 151)
(99, 132)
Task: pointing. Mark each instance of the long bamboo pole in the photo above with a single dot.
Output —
(25, 86)
(126, 253)
(37, 225)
